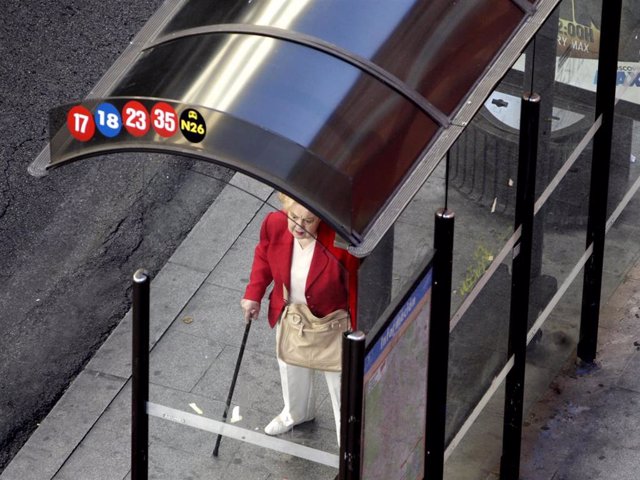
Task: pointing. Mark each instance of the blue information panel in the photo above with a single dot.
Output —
(395, 387)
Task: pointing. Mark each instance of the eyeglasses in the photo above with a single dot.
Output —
(303, 221)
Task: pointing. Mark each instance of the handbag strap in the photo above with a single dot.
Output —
(287, 304)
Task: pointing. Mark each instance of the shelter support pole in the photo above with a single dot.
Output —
(599, 189)
(540, 72)
(439, 345)
(140, 377)
(351, 405)
(520, 282)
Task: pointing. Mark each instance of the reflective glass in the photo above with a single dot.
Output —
(396, 361)
(352, 122)
(483, 174)
(486, 435)
(210, 135)
(395, 385)
(438, 60)
(413, 231)
(623, 210)
(560, 226)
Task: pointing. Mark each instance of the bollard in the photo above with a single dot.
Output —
(520, 286)
(140, 377)
(438, 363)
(351, 405)
(599, 188)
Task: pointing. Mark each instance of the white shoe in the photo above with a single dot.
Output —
(282, 424)
(278, 425)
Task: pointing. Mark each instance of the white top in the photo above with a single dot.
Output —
(300, 264)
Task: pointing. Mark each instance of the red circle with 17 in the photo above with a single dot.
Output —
(80, 123)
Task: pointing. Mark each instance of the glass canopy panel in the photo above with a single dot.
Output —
(364, 133)
(441, 59)
(622, 249)
(223, 139)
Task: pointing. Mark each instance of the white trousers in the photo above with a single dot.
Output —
(299, 397)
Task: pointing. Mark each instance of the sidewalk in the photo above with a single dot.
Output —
(87, 434)
(585, 424)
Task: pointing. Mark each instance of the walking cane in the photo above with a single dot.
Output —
(233, 384)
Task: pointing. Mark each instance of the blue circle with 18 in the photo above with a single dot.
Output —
(108, 120)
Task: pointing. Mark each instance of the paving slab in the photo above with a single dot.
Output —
(214, 313)
(217, 230)
(64, 428)
(180, 360)
(102, 455)
(170, 291)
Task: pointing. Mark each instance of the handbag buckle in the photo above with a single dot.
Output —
(297, 321)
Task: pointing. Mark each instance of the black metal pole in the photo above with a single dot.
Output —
(233, 383)
(540, 76)
(351, 405)
(140, 377)
(520, 282)
(600, 167)
(439, 346)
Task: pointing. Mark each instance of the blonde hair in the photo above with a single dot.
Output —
(285, 200)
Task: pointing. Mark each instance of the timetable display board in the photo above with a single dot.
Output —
(395, 386)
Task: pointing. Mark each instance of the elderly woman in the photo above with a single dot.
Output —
(296, 251)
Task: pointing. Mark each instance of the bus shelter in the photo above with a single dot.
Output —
(296, 93)
(348, 108)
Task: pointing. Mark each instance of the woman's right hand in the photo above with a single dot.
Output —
(250, 309)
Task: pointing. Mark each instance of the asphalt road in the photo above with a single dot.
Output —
(69, 242)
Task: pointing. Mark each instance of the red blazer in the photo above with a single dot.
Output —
(331, 284)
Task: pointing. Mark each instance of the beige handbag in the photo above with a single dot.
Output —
(309, 341)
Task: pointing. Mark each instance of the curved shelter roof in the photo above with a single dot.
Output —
(346, 105)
